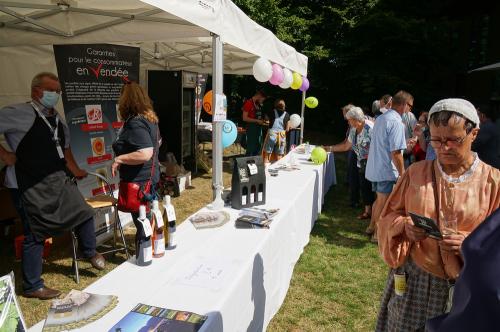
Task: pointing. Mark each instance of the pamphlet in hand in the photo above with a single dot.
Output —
(77, 309)
(427, 224)
(149, 318)
(11, 318)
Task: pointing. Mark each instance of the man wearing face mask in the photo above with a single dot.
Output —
(47, 201)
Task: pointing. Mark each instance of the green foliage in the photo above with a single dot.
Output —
(361, 49)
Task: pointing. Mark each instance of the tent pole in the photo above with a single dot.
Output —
(217, 88)
(302, 108)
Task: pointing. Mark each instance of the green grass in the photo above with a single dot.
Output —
(338, 281)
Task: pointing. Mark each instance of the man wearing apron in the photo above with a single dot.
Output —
(47, 201)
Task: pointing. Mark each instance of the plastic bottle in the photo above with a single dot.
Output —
(158, 228)
(170, 217)
(144, 252)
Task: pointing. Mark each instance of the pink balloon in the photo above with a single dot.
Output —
(278, 75)
(305, 84)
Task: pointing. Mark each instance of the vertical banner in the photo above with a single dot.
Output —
(91, 77)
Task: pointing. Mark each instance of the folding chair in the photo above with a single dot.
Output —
(104, 201)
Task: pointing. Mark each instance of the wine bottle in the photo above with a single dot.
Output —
(158, 229)
(144, 251)
(170, 217)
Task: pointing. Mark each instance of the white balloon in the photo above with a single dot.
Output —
(295, 120)
(287, 78)
(262, 70)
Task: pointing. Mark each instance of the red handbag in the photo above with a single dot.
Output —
(131, 195)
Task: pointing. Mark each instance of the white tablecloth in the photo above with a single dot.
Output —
(257, 264)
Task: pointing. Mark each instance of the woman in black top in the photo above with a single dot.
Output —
(136, 142)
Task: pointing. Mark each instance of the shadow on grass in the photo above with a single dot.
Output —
(338, 223)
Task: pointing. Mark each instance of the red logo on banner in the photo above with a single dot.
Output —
(117, 125)
(95, 115)
(99, 159)
(94, 127)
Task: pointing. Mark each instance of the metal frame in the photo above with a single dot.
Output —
(117, 226)
(217, 151)
(44, 28)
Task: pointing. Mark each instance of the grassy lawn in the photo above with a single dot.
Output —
(336, 284)
(338, 281)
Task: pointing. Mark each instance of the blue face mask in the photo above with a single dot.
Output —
(49, 99)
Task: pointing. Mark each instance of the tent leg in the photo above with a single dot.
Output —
(302, 108)
(217, 151)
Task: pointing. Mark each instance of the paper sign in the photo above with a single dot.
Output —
(208, 273)
(220, 112)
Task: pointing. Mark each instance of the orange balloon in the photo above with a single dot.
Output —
(207, 102)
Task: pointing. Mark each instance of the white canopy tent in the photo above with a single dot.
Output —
(208, 36)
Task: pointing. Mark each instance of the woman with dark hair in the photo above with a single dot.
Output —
(136, 144)
(458, 191)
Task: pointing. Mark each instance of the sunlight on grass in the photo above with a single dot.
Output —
(338, 281)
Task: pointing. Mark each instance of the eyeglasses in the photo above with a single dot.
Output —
(410, 106)
(451, 142)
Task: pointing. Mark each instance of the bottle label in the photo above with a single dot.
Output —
(148, 254)
(170, 212)
(146, 226)
(158, 218)
(159, 246)
(171, 238)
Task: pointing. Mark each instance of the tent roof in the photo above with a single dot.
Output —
(172, 34)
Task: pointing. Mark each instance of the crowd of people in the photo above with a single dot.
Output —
(442, 165)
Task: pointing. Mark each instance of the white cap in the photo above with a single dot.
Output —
(166, 200)
(457, 105)
(142, 212)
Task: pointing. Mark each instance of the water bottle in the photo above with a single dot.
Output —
(158, 228)
(170, 217)
(144, 252)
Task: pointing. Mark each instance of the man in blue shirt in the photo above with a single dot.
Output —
(385, 158)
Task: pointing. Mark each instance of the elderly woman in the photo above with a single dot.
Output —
(359, 141)
(463, 189)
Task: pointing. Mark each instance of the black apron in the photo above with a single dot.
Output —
(52, 202)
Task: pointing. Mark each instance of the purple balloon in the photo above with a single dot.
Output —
(278, 75)
(305, 84)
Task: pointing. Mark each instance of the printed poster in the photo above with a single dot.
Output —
(92, 76)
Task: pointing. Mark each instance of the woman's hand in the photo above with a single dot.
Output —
(114, 167)
(452, 243)
(414, 233)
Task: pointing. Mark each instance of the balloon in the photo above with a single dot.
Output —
(312, 102)
(295, 120)
(318, 155)
(229, 133)
(207, 102)
(278, 75)
(262, 70)
(305, 84)
(287, 79)
(297, 81)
